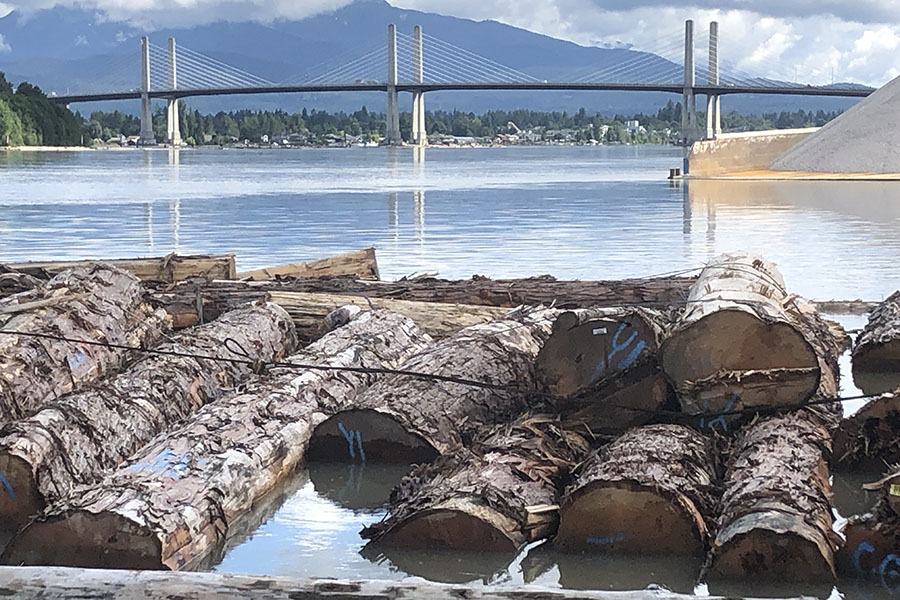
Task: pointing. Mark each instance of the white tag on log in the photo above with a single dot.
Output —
(600, 331)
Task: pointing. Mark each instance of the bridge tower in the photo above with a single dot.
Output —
(689, 100)
(147, 137)
(173, 126)
(713, 106)
(392, 125)
(419, 133)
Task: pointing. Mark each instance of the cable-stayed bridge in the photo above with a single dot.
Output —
(420, 63)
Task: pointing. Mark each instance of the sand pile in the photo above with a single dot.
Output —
(865, 139)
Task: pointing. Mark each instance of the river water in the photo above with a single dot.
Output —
(574, 212)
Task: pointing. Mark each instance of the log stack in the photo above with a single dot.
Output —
(876, 354)
(496, 496)
(483, 375)
(75, 438)
(870, 438)
(96, 304)
(172, 504)
(166, 269)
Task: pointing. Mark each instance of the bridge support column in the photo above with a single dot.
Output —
(392, 122)
(713, 107)
(147, 137)
(419, 132)
(173, 115)
(689, 100)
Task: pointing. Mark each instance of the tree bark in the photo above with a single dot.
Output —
(876, 356)
(742, 342)
(601, 364)
(651, 491)
(174, 501)
(167, 269)
(411, 419)
(94, 304)
(75, 438)
(775, 516)
(360, 264)
(13, 282)
(870, 438)
(499, 495)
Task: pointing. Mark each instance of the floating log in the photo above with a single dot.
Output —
(75, 438)
(876, 355)
(872, 543)
(412, 419)
(742, 342)
(167, 269)
(648, 492)
(498, 496)
(56, 583)
(775, 517)
(602, 365)
(94, 304)
(870, 438)
(174, 501)
(360, 264)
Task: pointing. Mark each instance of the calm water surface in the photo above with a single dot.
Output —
(601, 212)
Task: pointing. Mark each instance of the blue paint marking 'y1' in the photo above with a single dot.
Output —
(353, 436)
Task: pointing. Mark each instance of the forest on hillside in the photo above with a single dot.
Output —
(29, 118)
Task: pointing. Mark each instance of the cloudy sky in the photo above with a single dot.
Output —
(813, 41)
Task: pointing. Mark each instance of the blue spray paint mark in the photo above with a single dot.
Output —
(166, 463)
(362, 453)
(721, 418)
(632, 356)
(617, 347)
(8, 486)
(605, 541)
(863, 547)
(348, 435)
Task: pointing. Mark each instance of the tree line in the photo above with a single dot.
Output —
(29, 118)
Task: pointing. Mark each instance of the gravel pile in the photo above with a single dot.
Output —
(865, 139)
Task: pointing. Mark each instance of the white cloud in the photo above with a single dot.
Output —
(4, 47)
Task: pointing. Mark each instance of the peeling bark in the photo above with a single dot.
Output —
(870, 438)
(499, 495)
(602, 365)
(775, 518)
(75, 438)
(95, 304)
(173, 503)
(876, 356)
(411, 419)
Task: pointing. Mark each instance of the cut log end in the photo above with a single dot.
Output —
(19, 496)
(776, 549)
(367, 435)
(626, 517)
(84, 539)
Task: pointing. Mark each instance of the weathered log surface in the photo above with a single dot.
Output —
(169, 269)
(742, 342)
(360, 264)
(75, 438)
(95, 304)
(57, 583)
(499, 495)
(876, 355)
(651, 491)
(413, 419)
(173, 502)
(870, 438)
(13, 282)
(775, 516)
(602, 365)
(872, 543)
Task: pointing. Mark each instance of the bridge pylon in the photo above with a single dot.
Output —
(173, 125)
(419, 133)
(392, 125)
(689, 99)
(147, 137)
(713, 105)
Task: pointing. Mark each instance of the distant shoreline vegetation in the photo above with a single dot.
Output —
(29, 118)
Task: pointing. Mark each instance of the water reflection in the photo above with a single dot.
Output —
(359, 487)
(443, 566)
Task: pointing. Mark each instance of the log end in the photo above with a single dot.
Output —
(773, 545)
(85, 539)
(629, 518)
(622, 404)
(367, 435)
(20, 499)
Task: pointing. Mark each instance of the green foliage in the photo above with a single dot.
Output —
(28, 117)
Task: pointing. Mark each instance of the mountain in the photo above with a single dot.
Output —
(66, 49)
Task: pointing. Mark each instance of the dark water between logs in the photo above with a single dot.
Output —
(579, 212)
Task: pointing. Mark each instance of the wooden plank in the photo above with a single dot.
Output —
(169, 268)
(361, 264)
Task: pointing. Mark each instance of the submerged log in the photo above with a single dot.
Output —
(75, 438)
(168, 269)
(775, 516)
(601, 364)
(174, 501)
(360, 264)
(413, 419)
(499, 495)
(870, 438)
(876, 355)
(96, 304)
(743, 342)
(649, 492)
